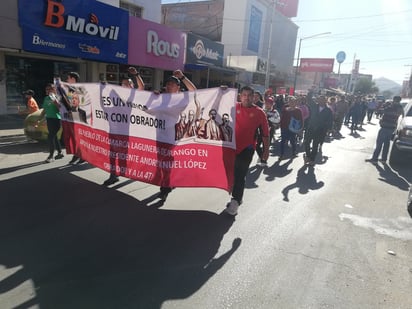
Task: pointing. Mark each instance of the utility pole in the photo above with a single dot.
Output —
(298, 58)
(269, 63)
(409, 83)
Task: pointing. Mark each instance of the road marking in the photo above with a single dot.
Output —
(400, 228)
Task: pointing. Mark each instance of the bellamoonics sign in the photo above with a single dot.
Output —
(202, 50)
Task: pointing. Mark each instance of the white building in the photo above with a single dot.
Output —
(253, 33)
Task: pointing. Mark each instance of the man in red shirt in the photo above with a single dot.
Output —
(249, 118)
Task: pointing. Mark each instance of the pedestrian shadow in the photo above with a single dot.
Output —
(355, 135)
(389, 176)
(321, 158)
(305, 181)
(24, 146)
(253, 175)
(278, 170)
(86, 246)
(12, 169)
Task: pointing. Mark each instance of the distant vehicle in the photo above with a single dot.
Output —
(402, 141)
(35, 130)
(380, 98)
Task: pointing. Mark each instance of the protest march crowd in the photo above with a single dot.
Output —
(304, 121)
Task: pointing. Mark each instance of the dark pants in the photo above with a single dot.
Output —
(287, 135)
(382, 143)
(312, 141)
(242, 163)
(337, 124)
(370, 114)
(53, 126)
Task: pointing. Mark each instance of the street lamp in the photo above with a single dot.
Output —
(297, 62)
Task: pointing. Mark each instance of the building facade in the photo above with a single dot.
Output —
(259, 41)
(98, 39)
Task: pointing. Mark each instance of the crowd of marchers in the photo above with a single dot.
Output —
(309, 119)
(304, 121)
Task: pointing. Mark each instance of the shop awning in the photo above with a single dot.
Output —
(208, 67)
(201, 66)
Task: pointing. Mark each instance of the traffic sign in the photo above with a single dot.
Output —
(340, 56)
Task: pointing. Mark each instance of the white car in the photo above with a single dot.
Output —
(405, 102)
(402, 142)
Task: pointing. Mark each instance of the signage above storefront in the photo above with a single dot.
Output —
(288, 8)
(316, 65)
(155, 45)
(82, 29)
(201, 50)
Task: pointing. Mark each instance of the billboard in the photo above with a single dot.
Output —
(84, 29)
(204, 51)
(288, 8)
(255, 27)
(316, 65)
(155, 45)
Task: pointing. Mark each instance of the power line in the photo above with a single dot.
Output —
(353, 17)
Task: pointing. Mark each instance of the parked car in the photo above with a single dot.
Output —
(35, 130)
(405, 102)
(402, 141)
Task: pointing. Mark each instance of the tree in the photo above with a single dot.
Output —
(366, 86)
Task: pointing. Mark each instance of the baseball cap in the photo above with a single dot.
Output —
(29, 92)
(173, 79)
(74, 75)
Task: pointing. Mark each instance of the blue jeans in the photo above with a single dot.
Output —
(287, 135)
(383, 139)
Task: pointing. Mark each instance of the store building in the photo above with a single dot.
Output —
(98, 39)
(257, 30)
(155, 46)
(204, 59)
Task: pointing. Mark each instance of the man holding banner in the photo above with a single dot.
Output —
(249, 118)
(126, 83)
(173, 84)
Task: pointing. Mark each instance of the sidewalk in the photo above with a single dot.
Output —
(11, 125)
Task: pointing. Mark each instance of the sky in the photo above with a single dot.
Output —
(377, 32)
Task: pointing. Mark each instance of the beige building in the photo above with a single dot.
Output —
(21, 69)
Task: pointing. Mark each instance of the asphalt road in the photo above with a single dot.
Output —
(338, 235)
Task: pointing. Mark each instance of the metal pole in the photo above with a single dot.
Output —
(269, 64)
(296, 69)
(297, 64)
(208, 76)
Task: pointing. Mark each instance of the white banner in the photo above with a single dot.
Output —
(177, 140)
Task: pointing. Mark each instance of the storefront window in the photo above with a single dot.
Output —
(31, 73)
